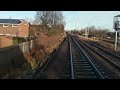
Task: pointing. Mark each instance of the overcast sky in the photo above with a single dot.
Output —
(73, 19)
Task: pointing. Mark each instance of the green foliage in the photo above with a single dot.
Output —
(51, 32)
(15, 40)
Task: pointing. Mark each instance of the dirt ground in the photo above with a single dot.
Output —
(56, 68)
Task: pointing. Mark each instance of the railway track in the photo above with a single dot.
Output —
(111, 41)
(113, 59)
(39, 73)
(103, 49)
(79, 66)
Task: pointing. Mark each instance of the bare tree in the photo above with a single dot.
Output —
(49, 17)
(52, 19)
(101, 33)
(42, 17)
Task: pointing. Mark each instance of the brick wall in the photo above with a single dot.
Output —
(6, 41)
(23, 29)
(8, 30)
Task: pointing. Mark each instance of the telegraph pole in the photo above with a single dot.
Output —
(116, 27)
(86, 32)
(116, 41)
(119, 38)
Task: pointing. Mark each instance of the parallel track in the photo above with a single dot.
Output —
(38, 73)
(114, 60)
(105, 51)
(112, 41)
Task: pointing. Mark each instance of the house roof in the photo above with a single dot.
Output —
(10, 21)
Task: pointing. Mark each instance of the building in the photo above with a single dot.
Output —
(14, 27)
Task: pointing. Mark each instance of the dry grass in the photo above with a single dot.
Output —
(105, 44)
(14, 73)
(44, 47)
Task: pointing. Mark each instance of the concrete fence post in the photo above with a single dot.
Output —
(28, 46)
(31, 44)
(23, 46)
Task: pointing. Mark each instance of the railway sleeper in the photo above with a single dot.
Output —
(77, 60)
(82, 70)
(82, 67)
(84, 64)
(86, 77)
(78, 63)
(85, 73)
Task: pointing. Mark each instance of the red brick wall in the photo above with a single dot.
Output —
(5, 41)
(23, 29)
(8, 30)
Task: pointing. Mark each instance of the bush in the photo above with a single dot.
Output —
(15, 40)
